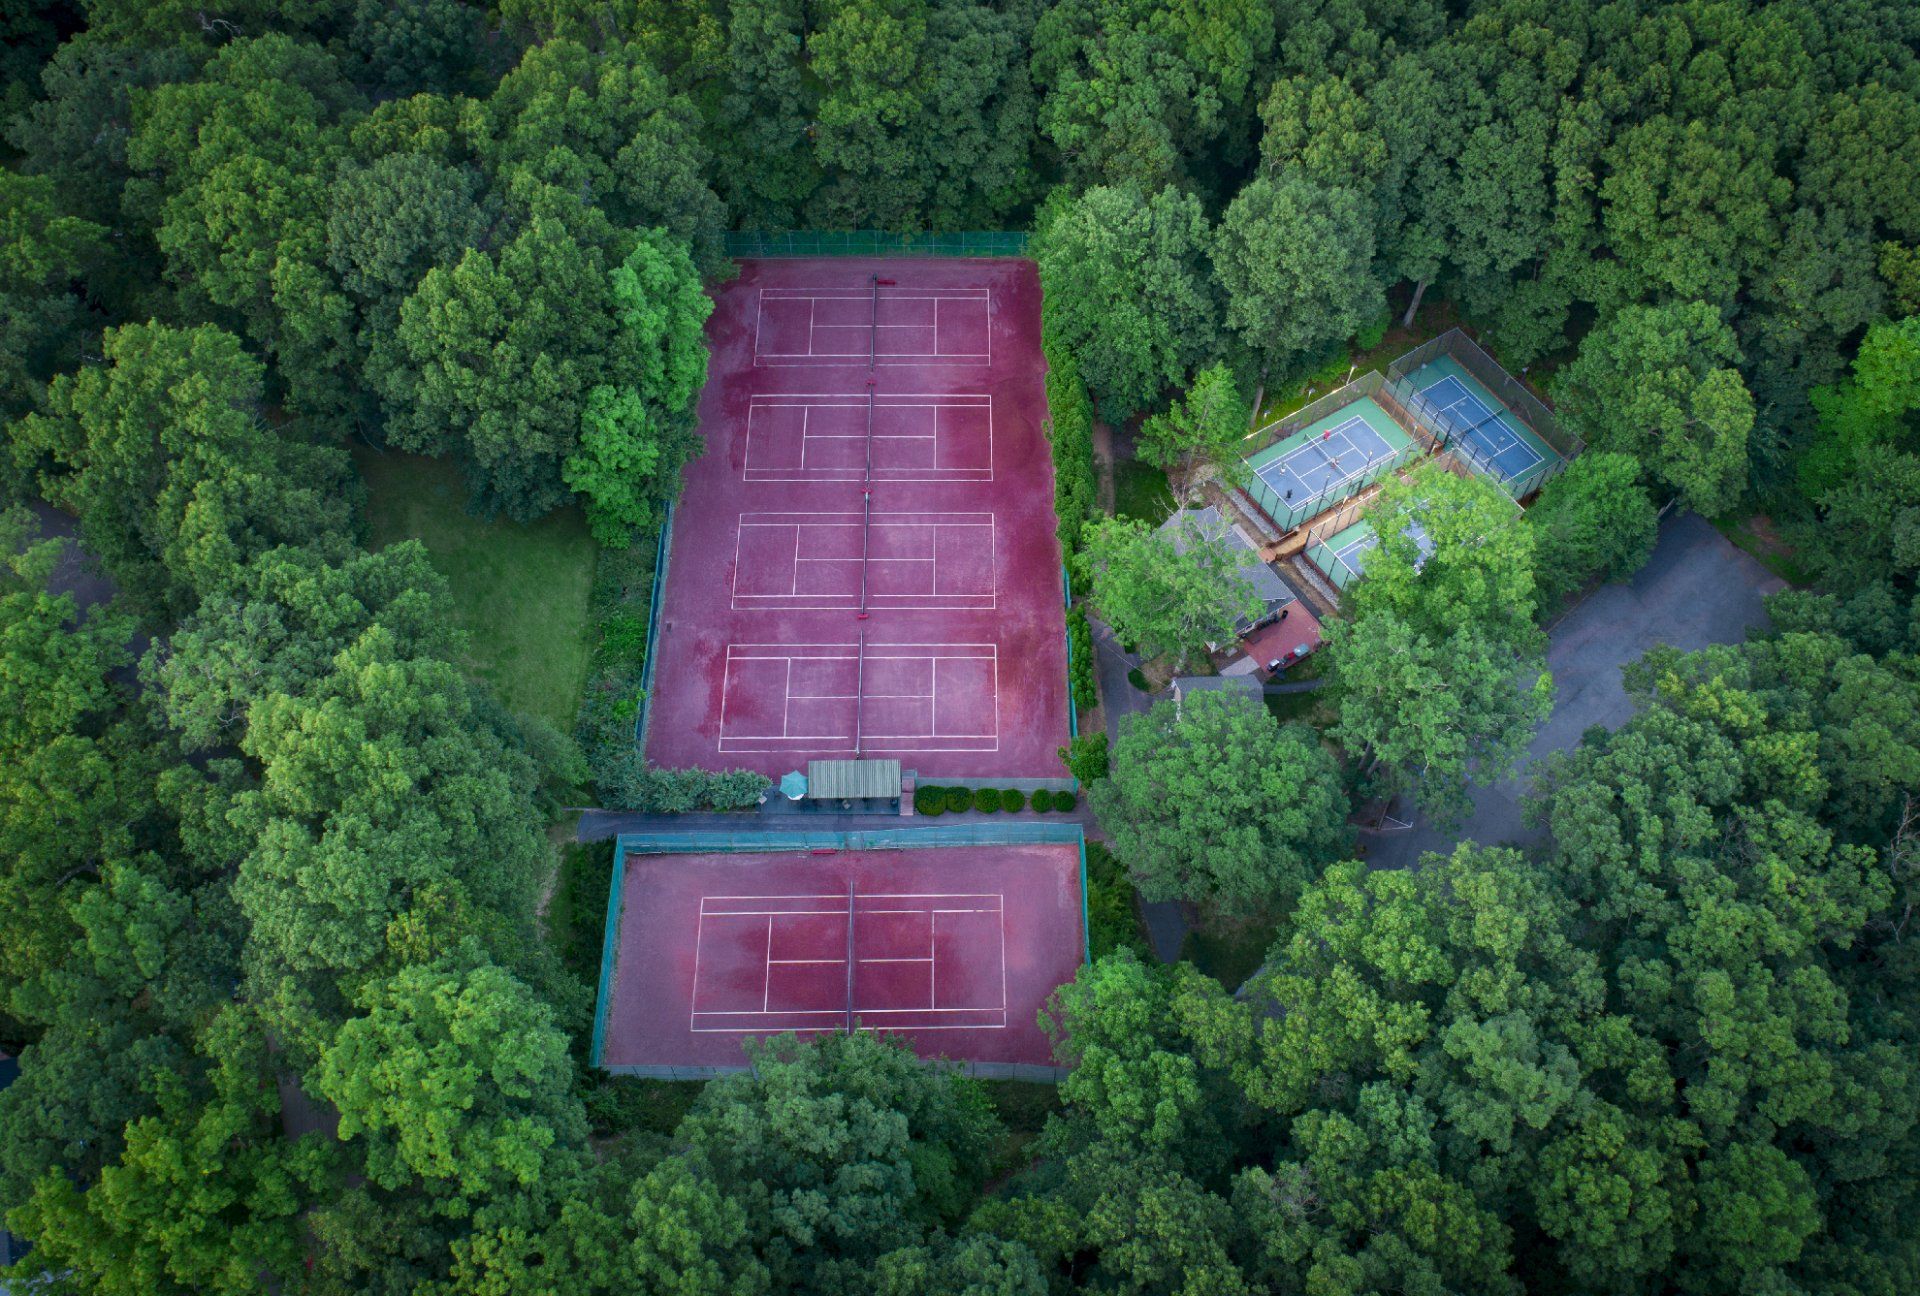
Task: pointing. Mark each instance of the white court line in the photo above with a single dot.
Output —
(813, 355)
(1490, 418)
(882, 740)
(807, 402)
(1286, 460)
(830, 1017)
(968, 529)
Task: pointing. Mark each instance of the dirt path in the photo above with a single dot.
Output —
(1103, 465)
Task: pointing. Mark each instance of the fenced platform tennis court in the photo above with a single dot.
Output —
(1481, 414)
(1342, 557)
(955, 947)
(1480, 430)
(863, 560)
(1311, 469)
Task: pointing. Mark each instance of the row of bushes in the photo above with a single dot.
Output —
(934, 800)
(1075, 499)
(1080, 665)
(621, 600)
(1070, 429)
(631, 785)
(1113, 915)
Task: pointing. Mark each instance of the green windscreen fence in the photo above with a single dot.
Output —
(828, 243)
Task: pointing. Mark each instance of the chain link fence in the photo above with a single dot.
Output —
(875, 243)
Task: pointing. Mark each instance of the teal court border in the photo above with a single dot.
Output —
(1445, 366)
(755, 842)
(1322, 554)
(1288, 516)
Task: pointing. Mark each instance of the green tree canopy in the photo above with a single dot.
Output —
(455, 1077)
(162, 453)
(634, 439)
(1212, 800)
(1136, 93)
(1295, 263)
(1127, 292)
(1167, 596)
(1594, 519)
(826, 1156)
(1658, 383)
(1208, 425)
(1877, 405)
(42, 323)
(207, 1194)
(604, 125)
(503, 354)
(1453, 552)
(278, 630)
(394, 815)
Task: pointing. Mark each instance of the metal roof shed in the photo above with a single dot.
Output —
(837, 780)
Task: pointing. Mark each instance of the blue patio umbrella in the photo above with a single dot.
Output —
(794, 785)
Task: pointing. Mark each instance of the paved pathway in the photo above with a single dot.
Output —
(1166, 923)
(1697, 589)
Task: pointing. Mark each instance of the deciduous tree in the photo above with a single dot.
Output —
(1295, 264)
(1659, 383)
(1167, 598)
(1127, 292)
(1212, 800)
(1594, 519)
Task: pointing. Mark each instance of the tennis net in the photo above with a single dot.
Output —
(852, 909)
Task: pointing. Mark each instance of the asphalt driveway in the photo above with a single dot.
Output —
(1696, 590)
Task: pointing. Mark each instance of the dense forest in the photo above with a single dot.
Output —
(271, 854)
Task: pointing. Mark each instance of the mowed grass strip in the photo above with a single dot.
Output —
(519, 589)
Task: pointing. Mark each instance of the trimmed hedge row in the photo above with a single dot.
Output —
(622, 595)
(935, 800)
(1080, 670)
(1113, 914)
(1075, 497)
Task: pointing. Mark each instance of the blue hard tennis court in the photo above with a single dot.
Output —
(1489, 434)
(1325, 461)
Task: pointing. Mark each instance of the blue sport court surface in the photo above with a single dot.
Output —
(1327, 461)
(1482, 430)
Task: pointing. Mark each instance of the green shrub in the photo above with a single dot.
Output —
(1070, 429)
(1042, 800)
(1086, 758)
(1112, 919)
(1013, 800)
(1372, 335)
(622, 593)
(1138, 678)
(1065, 801)
(930, 801)
(986, 800)
(1081, 671)
(629, 784)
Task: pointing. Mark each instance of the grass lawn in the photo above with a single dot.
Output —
(1310, 708)
(1757, 535)
(519, 590)
(1140, 491)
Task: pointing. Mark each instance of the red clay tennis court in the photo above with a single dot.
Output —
(955, 948)
(863, 560)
